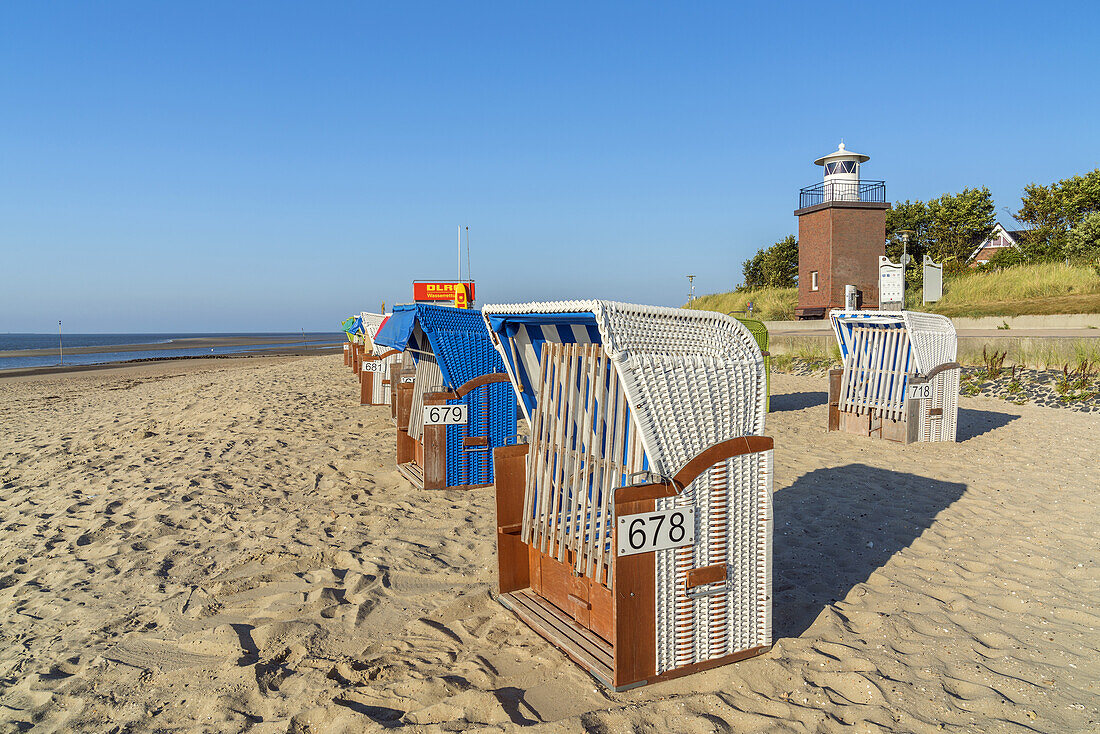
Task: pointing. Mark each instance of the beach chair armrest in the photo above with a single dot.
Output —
(481, 380)
(917, 379)
(690, 472)
(720, 452)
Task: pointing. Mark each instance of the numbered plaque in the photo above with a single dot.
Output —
(650, 531)
(446, 415)
(374, 365)
(920, 391)
(408, 379)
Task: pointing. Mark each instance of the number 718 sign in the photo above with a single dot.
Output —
(650, 531)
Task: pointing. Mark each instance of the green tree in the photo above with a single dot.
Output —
(1050, 212)
(1083, 241)
(910, 216)
(959, 223)
(947, 229)
(773, 267)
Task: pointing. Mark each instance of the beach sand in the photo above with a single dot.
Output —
(226, 546)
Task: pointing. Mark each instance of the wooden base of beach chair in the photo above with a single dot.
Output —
(347, 355)
(607, 626)
(871, 422)
(372, 385)
(412, 471)
(591, 652)
(366, 388)
(415, 474)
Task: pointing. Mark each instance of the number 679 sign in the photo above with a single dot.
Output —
(650, 531)
(446, 415)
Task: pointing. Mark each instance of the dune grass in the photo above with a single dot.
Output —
(1045, 288)
(1039, 354)
(769, 304)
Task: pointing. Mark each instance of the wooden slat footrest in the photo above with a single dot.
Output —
(413, 472)
(581, 645)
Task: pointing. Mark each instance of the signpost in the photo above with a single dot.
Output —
(933, 280)
(891, 285)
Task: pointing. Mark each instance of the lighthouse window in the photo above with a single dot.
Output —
(813, 280)
(840, 167)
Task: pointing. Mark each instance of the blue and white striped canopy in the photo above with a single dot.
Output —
(523, 335)
(455, 336)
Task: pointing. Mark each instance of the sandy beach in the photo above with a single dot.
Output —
(225, 545)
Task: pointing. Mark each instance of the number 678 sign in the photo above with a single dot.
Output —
(446, 415)
(650, 531)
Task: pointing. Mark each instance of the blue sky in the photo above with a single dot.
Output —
(276, 166)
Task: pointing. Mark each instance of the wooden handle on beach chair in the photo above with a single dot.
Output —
(918, 379)
(691, 471)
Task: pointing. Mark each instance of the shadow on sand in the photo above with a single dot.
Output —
(835, 527)
(974, 423)
(797, 401)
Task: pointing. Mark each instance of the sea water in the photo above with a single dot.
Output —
(103, 343)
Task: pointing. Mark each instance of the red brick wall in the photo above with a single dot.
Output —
(814, 236)
(859, 240)
(843, 243)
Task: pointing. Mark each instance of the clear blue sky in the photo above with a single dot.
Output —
(275, 166)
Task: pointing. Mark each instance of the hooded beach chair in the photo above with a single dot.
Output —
(349, 326)
(900, 380)
(458, 405)
(375, 363)
(634, 529)
(760, 333)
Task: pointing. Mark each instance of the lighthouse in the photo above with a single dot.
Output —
(841, 235)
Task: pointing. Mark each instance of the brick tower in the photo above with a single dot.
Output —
(841, 234)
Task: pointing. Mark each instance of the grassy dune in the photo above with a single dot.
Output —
(1047, 288)
(769, 304)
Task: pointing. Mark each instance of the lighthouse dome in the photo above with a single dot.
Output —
(842, 154)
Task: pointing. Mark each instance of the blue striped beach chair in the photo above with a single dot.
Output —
(453, 365)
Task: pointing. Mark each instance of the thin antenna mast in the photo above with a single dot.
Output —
(469, 272)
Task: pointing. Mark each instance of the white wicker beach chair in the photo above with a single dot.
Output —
(900, 380)
(634, 529)
(375, 363)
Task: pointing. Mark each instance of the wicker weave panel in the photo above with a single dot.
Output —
(733, 515)
(428, 379)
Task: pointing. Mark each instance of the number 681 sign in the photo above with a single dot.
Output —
(650, 531)
(446, 415)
